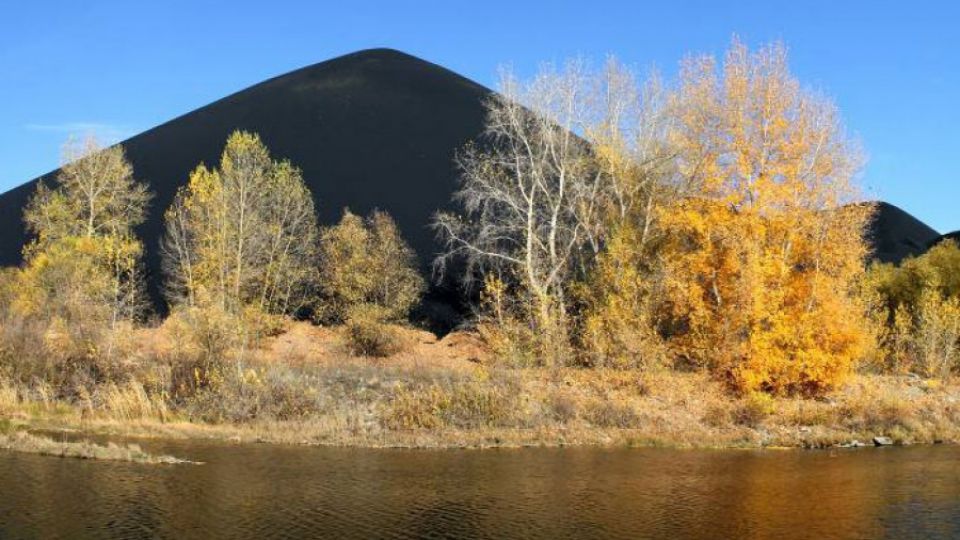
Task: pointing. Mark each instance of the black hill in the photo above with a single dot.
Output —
(373, 129)
(895, 234)
(955, 236)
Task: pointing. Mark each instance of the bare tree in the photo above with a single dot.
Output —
(523, 191)
(563, 156)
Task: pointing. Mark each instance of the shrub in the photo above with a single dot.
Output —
(937, 335)
(453, 402)
(204, 339)
(563, 407)
(368, 335)
(515, 337)
(610, 414)
(366, 261)
(265, 393)
(754, 408)
(919, 302)
(619, 329)
(410, 409)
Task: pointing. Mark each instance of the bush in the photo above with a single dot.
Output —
(205, 338)
(266, 393)
(610, 414)
(619, 329)
(452, 403)
(366, 261)
(754, 408)
(516, 337)
(368, 335)
(563, 407)
(919, 303)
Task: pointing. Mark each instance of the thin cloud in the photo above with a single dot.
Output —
(107, 133)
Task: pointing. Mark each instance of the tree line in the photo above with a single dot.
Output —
(242, 246)
(714, 223)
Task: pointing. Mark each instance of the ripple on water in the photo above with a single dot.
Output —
(297, 492)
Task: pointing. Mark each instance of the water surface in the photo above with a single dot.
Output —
(265, 491)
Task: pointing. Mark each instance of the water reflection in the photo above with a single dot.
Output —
(291, 492)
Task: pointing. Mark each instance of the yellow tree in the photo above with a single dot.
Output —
(95, 195)
(82, 270)
(918, 302)
(620, 292)
(367, 263)
(763, 254)
(244, 235)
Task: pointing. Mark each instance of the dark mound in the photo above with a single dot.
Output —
(373, 129)
(955, 236)
(896, 235)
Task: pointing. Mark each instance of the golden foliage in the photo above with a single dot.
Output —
(505, 328)
(96, 195)
(919, 303)
(367, 262)
(620, 324)
(244, 234)
(762, 258)
(80, 286)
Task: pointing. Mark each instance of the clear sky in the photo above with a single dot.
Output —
(120, 67)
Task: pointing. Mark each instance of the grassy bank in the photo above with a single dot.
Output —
(18, 440)
(433, 402)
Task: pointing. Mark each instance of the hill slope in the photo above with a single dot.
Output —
(955, 236)
(372, 129)
(896, 234)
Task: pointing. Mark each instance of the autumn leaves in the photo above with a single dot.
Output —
(704, 224)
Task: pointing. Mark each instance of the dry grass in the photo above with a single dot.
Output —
(358, 404)
(21, 441)
(304, 387)
(130, 401)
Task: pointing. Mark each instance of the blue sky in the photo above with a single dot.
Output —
(118, 68)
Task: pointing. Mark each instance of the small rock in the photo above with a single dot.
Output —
(852, 444)
(882, 441)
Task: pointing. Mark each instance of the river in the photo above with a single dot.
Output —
(266, 491)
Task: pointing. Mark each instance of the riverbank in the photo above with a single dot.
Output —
(303, 386)
(364, 404)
